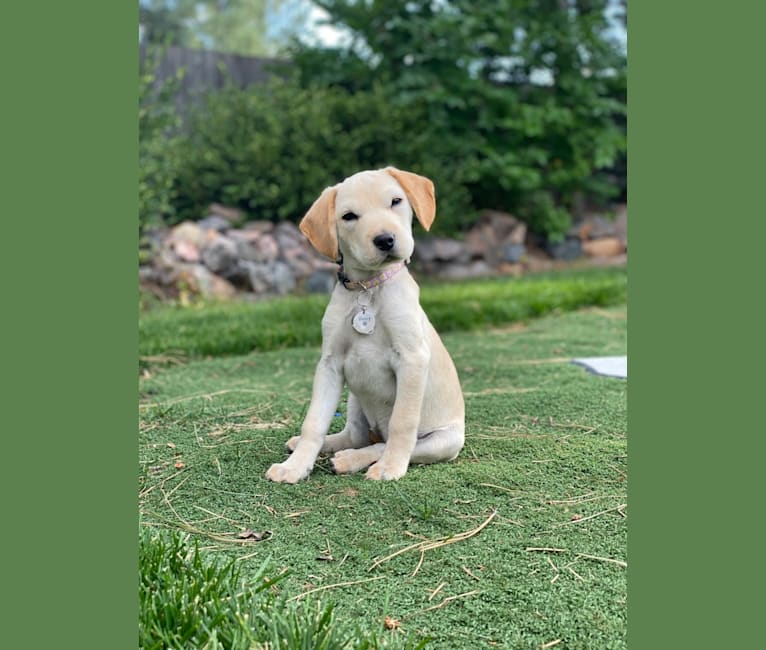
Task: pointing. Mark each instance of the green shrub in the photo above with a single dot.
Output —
(158, 125)
(272, 148)
(450, 90)
(525, 99)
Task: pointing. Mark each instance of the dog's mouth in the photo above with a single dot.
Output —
(388, 259)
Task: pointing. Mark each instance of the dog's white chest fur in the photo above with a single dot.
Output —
(369, 369)
(369, 372)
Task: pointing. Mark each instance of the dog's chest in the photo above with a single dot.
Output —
(368, 368)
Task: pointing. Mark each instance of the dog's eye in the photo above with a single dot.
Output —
(350, 216)
(395, 201)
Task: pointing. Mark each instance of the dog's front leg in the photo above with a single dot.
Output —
(411, 378)
(328, 384)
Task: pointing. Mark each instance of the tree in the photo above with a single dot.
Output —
(523, 97)
(234, 26)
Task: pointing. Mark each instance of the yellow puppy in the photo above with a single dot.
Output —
(405, 404)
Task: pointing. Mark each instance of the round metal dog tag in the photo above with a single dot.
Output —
(363, 321)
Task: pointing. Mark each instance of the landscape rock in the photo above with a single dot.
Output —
(492, 233)
(274, 277)
(321, 282)
(232, 215)
(267, 248)
(600, 225)
(621, 223)
(257, 276)
(299, 261)
(186, 251)
(156, 276)
(147, 274)
(288, 236)
(215, 259)
(516, 270)
(220, 255)
(538, 263)
(255, 246)
(200, 280)
(258, 226)
(513, 253)
(606, 247)
(568, 250)
(214, 222)
(441, 249)
(425, 251)
(476, 269)
(187, 231)
(283, 278)
(451, 250)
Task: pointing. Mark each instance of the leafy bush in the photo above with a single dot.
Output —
(516, 106)
(271, 149)
(524, 98)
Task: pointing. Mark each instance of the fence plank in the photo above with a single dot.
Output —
(207, 70)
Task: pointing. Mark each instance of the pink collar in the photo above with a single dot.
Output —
(356, 285)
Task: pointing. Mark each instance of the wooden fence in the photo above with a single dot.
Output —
(205, 70)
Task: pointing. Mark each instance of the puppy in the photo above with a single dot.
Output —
(405, 404)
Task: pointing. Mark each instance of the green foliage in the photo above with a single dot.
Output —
(239, 328)
(523, 97)
(186, 602)
(236, 26)
(191, 600)
(271, 149)
(158, 125)
(517, 105)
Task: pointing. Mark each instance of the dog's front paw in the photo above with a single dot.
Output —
(381, 471)
(292, 443)
(281, 473)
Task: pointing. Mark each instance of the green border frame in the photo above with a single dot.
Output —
(69, 142)
(69, 258)
(695, 132)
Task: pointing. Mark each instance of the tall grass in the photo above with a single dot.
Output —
(189, 600)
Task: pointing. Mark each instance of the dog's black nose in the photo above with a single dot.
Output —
(384, 242)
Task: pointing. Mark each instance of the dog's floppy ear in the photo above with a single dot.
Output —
(319, 224)
(420, 192)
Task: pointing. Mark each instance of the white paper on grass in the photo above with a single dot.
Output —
(606, 366)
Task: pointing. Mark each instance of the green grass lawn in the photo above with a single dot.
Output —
(546, 450)
(173, 332)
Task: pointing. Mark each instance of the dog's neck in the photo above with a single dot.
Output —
(359, 282)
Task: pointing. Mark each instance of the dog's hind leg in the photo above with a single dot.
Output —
(354, 435)
(434, 447)
(439, 445)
